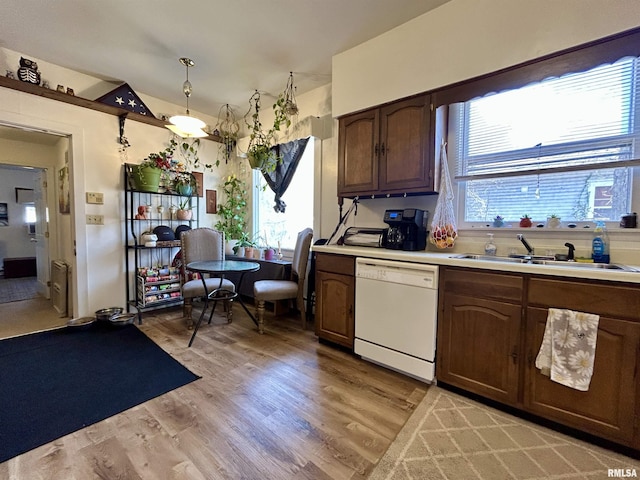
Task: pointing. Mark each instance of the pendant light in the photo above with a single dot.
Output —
(187, 126)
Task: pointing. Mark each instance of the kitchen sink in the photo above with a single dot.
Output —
(546, 260)
(604, 266)
(509, 259)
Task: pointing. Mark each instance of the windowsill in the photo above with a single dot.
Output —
(578, 232)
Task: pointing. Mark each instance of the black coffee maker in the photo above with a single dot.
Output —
(407, 229)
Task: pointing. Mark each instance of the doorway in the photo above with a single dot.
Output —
(29, 163)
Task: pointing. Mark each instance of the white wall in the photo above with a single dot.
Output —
(466, 38)
(14, 238)
(45, 157)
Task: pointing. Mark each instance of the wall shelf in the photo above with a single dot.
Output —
(85, 103)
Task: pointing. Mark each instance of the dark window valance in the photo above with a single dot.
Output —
(573, 60)
(281, 177)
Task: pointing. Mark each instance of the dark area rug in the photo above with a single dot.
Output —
(17, 289)
(56, 382)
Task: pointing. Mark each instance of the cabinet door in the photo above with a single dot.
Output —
(405, 164)
(335, 296)
(478, 346)
(358, 153)
(607, 408)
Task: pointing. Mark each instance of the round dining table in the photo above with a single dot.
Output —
(219, 268)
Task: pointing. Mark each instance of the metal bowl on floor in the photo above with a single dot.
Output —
(123, 319)
(105, 314)
(81, 323)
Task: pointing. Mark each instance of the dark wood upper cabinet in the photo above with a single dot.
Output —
(404, 149)
(358, 143)
(387, 150)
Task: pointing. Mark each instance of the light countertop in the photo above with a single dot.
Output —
(568, 269)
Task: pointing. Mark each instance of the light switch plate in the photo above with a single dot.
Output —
(95, 219)
(95, 197)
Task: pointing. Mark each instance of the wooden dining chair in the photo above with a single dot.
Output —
(201, 244)
(274, 290)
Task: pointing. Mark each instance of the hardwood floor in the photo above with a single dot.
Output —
(273, 406)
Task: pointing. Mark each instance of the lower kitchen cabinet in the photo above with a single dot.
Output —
(479, 333)
(489, 336)
(335, 298)
(607, 408)
(478, 344)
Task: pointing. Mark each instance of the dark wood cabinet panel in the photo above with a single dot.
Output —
(616, 300)
(335, 298)
(404, 151)
(504, 287)
(478, 346)
(387, 150)
(607, 408)
(358, 143)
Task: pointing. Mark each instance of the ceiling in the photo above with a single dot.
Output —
(238, 46)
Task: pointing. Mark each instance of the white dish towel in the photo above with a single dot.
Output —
(568, 348)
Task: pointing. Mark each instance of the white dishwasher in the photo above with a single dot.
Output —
(396, 312)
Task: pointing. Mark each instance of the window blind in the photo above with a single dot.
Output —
(576, 120)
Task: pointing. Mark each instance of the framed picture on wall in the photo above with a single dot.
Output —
(63, 190)
(199, 182)
(4, 215)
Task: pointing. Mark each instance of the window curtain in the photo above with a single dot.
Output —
(280, 179)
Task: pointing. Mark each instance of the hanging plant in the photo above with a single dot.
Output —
(260, 154)
(288, 104)
(227, 128)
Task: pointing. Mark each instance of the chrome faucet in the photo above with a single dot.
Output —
(525, 243)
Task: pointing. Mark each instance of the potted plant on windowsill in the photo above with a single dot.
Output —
(553, 221)
(244, 246)
(525, 221)
(269, 253)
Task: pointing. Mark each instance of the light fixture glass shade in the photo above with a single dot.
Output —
(193, 133)
(186, 125)
(187, 122)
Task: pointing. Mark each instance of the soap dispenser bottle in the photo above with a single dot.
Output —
(490, 247)
(600, 244)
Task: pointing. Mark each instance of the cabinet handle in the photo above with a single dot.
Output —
(514, 355)
(376, 150)
(382, 149)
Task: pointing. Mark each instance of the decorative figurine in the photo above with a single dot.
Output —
(141, 215)
(70, 91)
(28, 71)
(60, 88)
(10, 74)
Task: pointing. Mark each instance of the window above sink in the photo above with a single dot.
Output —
(555, 136)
